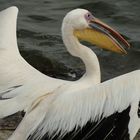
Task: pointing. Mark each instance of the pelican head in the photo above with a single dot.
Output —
(88, 28)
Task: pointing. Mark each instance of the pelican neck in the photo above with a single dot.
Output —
(75, 48)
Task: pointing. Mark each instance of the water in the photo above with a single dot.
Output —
(40, 43)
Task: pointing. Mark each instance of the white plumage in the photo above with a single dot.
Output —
(15, 71)
(67, 110)
(57, 107)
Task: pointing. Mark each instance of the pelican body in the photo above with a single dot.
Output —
(24, 84)
(60, 110)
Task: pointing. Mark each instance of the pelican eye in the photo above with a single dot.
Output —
(89, 16)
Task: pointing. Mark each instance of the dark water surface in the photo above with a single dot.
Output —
(40, 43)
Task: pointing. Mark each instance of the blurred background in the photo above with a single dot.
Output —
(40, 42)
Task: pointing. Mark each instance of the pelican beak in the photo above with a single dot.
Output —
(103, 36)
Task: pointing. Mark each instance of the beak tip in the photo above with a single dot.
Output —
(124, 52)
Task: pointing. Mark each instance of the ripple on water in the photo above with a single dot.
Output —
(40, 18)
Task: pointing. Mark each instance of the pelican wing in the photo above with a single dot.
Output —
(18, 79)
(14, 70)
(84, 112)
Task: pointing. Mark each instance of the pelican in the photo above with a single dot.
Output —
(83, 109)
(24, 85)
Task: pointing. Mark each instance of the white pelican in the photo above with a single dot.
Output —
(25, 84)
(82, 109)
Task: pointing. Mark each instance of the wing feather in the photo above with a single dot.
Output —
(70, 110)
(15, 71)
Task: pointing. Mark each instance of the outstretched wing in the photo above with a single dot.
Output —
(16, 75)
(107, 111)
(14, 70)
